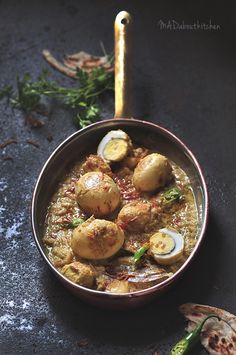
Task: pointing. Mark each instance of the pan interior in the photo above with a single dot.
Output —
(85, 142)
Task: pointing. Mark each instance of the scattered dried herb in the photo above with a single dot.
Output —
(7, 158)
(49, 138)
(8, 142)
(32, 121)
(35, 144)
(83, 343)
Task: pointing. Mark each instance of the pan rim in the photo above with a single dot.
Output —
(188, 261)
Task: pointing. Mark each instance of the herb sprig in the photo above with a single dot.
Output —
(83, 98)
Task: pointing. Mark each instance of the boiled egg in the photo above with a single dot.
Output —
(135, 216)
(97, 194)
(166, 246)
(97, 239)
(79, 273)
(115, 146)
(152, 172)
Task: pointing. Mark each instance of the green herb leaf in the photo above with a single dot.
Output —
(83, 99)
(75, 223)
(140, 252)
(172, 194)
(6, 92)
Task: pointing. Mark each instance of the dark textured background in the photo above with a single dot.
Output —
(186, 82)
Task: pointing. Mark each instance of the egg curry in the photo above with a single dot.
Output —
(121, 220)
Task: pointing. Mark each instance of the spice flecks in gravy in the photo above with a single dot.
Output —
(139, 216)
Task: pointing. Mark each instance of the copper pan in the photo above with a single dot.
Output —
(85, 141)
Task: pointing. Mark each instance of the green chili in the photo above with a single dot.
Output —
(185, 344)
(75, 222)
(139, 253)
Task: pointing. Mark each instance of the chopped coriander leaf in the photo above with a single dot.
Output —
(172, 194)
(75, 223)
(6, 91)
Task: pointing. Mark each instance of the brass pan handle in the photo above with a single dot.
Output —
(123, 28)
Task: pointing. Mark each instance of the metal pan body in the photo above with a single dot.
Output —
(83, 143)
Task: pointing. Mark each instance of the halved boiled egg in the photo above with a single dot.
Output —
(166, 246)
(114, 146)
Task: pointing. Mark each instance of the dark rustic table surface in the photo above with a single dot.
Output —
(185, 80)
